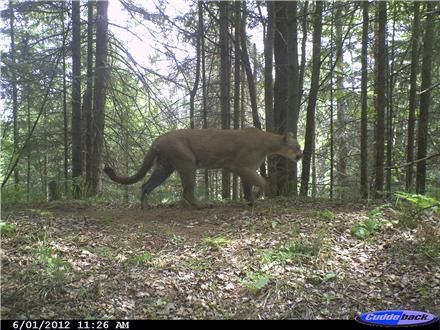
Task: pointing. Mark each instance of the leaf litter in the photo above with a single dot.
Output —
(275, 261)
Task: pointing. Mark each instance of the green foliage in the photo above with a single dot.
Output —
(50, 266)
(7, 229)
(373, 224)
(326, 215)
(145, 258)
(255, 282)
(317, 279)
(415, 203)
(216, 241)
(196, 264)
(296, 248)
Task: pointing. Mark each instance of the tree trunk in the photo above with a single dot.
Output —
(88, 97)
(14, 92)
(364, 103)
(237, 80)
(412, 96)
(204, 91)
(341, 132)
(302, 67)
(250, 79)
(292, 115)
(381, 99)
(225, 74)
(390, 129)
(425, 98)
(65, 118)
(269, 89)
(268, 67)
(99, 95)
(332, 109)
(249, 74)
(280, 89)
(313, 94)
(193, 92)
(76, 96)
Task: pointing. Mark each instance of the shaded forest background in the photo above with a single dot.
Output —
(357, 82)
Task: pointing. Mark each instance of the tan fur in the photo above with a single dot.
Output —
(240, 151)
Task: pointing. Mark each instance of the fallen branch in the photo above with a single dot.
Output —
(413, 162)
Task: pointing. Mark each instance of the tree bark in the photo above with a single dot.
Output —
(302, 66)
(412, 96)
(341, 132)
(99, 95)
(14, 91)
(76, 95)
(225, 74)
(390, 128)
(65, 117)
(364, 102)
(88, 96)
(425, 98)
(381, 99)
(290, 168)
(268, 67)
(204, 91)
(193, 92)
(237, 80)
(313, 94)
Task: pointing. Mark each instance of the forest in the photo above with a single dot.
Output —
(353, 226)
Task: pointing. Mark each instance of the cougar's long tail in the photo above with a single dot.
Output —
(145, 167)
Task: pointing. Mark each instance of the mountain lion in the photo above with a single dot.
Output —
(240, 151)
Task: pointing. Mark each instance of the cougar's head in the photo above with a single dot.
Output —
(291, 148)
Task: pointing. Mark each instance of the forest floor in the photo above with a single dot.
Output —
(281, 259)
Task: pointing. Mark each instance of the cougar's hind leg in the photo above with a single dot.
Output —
(161, 172)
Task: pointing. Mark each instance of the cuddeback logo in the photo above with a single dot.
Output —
(397, 318)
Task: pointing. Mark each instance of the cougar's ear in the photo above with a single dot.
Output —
(288, 137)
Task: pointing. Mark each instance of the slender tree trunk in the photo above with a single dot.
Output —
(14, 91)
(341, 132)
(268, 68)
(381, 99)
(279, 177)
(302, 67)
(250, 76)
(29, 151)
(412, 95)
(99, 94)
(65, 117)
(76, 96)
(250, 79)
(390, 129)
(269, 89)
(237, 80)
(332, 109)
(364, 102)
(225, 74)
(313, 94)
(425, 98)
(193, 92)
(45, 186)
(204, 90)
(88, 97)
(292, 115)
